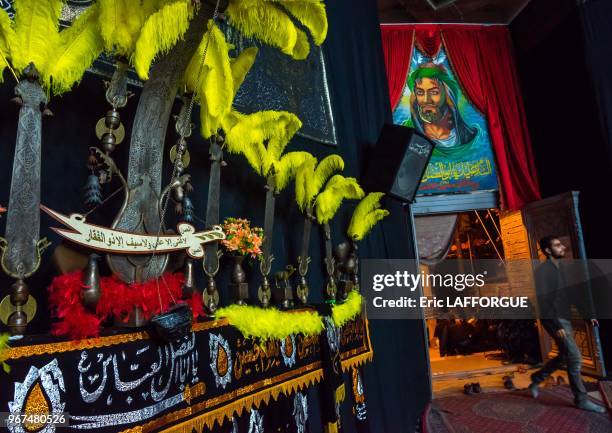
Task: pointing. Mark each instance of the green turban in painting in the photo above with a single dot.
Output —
(461, 134)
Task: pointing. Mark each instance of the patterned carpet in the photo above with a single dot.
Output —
(513, 412)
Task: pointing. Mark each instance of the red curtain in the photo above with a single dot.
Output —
(483, 61)
(397, 48)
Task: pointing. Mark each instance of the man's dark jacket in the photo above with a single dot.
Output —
(557, 289)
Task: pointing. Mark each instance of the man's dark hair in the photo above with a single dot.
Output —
(546, 242)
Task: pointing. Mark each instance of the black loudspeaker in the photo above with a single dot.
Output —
(397, 164)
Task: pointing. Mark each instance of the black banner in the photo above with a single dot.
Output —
(124, 381)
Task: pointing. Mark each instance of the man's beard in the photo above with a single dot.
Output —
(431, 116)
(557, 255)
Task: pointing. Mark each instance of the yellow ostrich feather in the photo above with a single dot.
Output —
(366, 215)
(336, 190)
(347, 311)
(265, 21)
(36, 33)
(160, 32)
(325, 169)
(113, 29)
(7, 36)
(301, 49)
(251, 131)
(285, 168)
(271, 23)
(303, 180)
(312, 15)
(120, 23)
(79, 46)
(4, 338)
(311, 178)
(216, 81)
(270, 323)
(241, 66)
(285, 129)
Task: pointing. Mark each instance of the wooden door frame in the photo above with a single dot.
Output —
(595, 365)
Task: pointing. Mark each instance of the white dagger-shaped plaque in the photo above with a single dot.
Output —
(121, 242)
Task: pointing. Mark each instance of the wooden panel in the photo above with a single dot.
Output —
(517, 253)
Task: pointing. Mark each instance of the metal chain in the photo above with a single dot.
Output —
(104, 201)
(181, 147)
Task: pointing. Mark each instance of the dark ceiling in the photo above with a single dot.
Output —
(461, 11)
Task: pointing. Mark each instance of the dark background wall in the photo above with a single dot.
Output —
(562, 52)
(397, 382)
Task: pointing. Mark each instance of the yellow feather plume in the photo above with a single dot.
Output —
(241, 66)
(252, 148)
(303, 182)
(312, 15)
(36, 33)
(160, 32)
(4, 346)
(79, 46)
(270, 323)
(310, 179)
(113, 30)
(327, 167)
(7, 36)
(216, 82)
(285, 129)
(337, 189)
(287, 166)
(301, 49)
(347, 311)
(250, 132)
(366, 215)
(120, 23)
(263, 20)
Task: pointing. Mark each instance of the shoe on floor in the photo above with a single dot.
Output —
(467, 389)
(508, 382)
(589, 406)
(535, 391)
(476, 389)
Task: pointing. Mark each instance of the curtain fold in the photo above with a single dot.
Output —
(483, 62)
(397, 48)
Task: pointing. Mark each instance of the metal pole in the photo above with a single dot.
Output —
(489, 236)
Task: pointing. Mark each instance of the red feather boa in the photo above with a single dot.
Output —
(117, 300)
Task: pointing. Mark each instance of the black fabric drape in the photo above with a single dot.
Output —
(596, 16)
(396, 381)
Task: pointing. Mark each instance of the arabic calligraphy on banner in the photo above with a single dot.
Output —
(443, 172)
(120, 242)
(110, 384)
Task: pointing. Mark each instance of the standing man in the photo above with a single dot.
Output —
(555, 301)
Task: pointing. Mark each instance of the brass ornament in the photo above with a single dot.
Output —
(186, 157)
(102, 129)
(7, 308)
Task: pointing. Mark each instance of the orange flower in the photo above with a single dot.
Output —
(241, 238)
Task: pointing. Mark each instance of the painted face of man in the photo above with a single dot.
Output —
(557, 249)
(430, 98)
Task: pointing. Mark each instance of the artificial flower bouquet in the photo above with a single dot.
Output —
(242, 239)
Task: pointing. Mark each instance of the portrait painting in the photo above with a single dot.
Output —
(434, 104)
